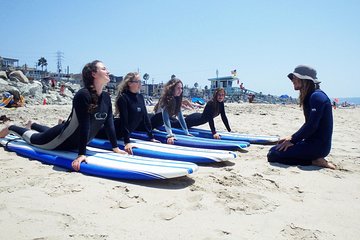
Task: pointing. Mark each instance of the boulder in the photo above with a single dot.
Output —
(3, 75)
(19, 76)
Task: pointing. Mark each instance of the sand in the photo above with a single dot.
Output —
(246, 198)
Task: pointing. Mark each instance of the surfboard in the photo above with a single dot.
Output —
(167, 151)
(233, 136)
(104, 163)
(229, 136)
(190, 141)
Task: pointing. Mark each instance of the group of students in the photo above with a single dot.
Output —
(92, 116)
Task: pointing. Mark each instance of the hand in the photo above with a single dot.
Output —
(128, 148)
(284, 144)
(154, 140)
(76, 163)
(117, 150)
(170, 140)
(216, 136)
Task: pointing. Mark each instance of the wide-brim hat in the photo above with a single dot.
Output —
(304, 72)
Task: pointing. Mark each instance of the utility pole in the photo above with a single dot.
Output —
(59, 56)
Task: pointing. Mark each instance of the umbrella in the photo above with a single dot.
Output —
(284, 96)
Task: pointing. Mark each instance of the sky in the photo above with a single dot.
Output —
(263, 40)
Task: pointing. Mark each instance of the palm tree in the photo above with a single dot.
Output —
(42, 62)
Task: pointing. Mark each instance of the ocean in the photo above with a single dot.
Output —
(350, 100)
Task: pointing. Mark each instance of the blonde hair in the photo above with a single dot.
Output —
(122, 87)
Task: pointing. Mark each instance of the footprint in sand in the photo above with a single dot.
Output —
(246, 202)
(293, 232)
(169, 212)
(127, 198)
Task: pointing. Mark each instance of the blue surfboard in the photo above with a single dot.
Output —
(167, 151)
(229, 136)
(104, 163)
(196, 142)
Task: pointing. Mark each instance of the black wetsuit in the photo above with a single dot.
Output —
(133, 116)
(78, 130)
(313, 139)
(208, 115)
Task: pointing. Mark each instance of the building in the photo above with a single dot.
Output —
(8, 63)
(229, 83)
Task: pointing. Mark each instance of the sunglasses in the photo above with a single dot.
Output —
(135, 81)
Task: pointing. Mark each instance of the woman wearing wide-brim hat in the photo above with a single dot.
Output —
(312, 142)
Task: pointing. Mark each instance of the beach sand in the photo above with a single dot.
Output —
(246, 198)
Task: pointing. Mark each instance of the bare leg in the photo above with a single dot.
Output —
(321, 162)
(4, 132)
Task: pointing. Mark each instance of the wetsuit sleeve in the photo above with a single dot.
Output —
(146, 119)
(109, 123)
(208, 114)
(317, 105)
(81, 104)
(183, 123)
(167, 124)
(124, 118)
(223, 117)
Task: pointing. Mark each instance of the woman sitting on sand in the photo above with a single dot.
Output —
(213, 108)
(169, 105)
(312, 142)
(90, 111)
(130, 106)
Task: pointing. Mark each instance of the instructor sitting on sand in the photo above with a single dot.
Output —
(90, 111)
(312, 142)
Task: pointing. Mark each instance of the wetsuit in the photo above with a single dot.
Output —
(208, 115)
(133, 116)
(313, 139)
(162, 117)
(78, 130)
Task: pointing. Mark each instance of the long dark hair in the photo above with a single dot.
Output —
(88, 81)
(307, 88)
(124, 86)
(214, 101)
(167, 100)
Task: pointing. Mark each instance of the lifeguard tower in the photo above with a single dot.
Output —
(229, 83)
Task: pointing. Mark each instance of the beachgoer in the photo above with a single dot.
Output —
(251, 97)
(169, 105)
(62, 89)
(213, 108)
(130, 106)
(53, 83)
(13, 98)
(312, 142)
(90, 111)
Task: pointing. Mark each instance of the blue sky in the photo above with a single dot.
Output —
(263, 40)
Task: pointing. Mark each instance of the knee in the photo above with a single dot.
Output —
(272, 155)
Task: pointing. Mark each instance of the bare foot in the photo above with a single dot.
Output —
(4, 132)
(60, 121)
(28, 124)
(321, 162)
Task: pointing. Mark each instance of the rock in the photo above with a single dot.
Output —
(19, 76)
(3, 75)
